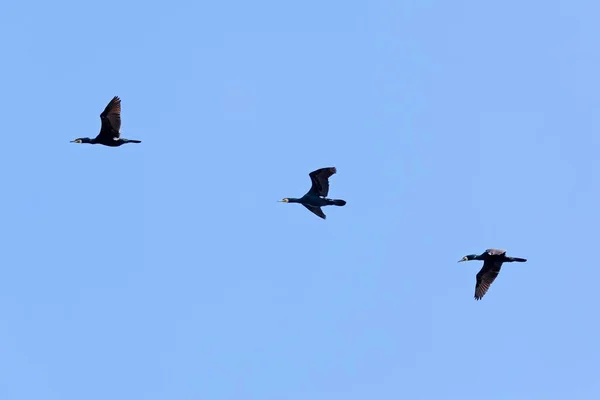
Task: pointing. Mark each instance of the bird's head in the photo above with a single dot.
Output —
(286, 200)
(81, 140)
(468, 258)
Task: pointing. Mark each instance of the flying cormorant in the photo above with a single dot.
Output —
(492, 262)
(110, 133)
(316, 197)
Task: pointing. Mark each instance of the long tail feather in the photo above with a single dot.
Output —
(338, 202)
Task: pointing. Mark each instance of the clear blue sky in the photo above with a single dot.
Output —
(167, 270)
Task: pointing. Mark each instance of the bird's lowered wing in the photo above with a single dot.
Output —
(485, 277)
(316, 210)
(320, 181)
(111, 119)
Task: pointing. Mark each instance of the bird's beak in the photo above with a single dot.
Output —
(463, 259)
(75, 141)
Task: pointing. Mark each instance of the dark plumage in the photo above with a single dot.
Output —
(110, 132)
(492, 262)
(316, 197)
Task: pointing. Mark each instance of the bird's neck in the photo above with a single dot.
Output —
(293, 200)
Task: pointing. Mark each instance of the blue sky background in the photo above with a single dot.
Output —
(167, 270)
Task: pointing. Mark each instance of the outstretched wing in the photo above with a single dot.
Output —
(495, 252)
(316, 210)
(486, 277)
(320, 181)
(111, 119)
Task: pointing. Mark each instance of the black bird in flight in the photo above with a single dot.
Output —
(110, 133)
(316, 197)
(492, 262)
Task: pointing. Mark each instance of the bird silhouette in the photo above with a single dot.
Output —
(492, 262)
(110, 132)
(316, 197)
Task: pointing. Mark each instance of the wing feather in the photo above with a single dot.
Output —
(485, 278)
(111, 119)
(495, 252)
(320, 181)
(316, 210)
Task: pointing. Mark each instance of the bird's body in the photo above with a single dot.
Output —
(110, 132)
(316, 197)
(492, 263)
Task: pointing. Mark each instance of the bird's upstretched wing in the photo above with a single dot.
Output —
(495, 252)
(485, 278)
(320, 181)
(316, 210)
(111, 119)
